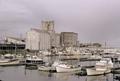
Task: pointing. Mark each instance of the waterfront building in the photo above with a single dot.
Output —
(54, 37)
(11, 48)
(55, 40)
(43, 39)
(48, 26)
(12, 45)
(37, 39)
(69, 39)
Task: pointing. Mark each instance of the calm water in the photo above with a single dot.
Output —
(19, 73)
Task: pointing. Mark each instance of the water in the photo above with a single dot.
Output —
(19, 73)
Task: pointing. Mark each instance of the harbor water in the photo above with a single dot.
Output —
(19, 73)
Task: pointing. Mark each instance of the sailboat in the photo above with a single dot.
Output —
(65, 67)
(48, 66)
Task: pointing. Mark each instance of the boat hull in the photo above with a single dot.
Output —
(93, 71)
(46, 68)
(10, 63)
(62, 69)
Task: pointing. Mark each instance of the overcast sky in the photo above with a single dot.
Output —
(94, 20)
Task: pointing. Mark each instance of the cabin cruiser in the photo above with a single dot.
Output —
(102, 67)
(31, 60)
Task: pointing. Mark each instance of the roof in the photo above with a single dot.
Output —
(19, 39)
(68, 33)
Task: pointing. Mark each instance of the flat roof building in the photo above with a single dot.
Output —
(69, 39)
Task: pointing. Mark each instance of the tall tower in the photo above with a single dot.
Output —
(48, 26)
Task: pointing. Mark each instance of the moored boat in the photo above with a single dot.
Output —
(102, 67)
(4, 61)
(93, 71)
(64, 67)
(49, 67)
(46, 68)
(33, 60)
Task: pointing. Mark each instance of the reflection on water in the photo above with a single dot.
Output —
(45, 74)
(19, 73)
(62, 76)
(107, 77)
(95, 78)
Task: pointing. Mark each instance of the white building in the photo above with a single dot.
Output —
(43, 39)
(54, 37)
(37, 40)
(48, 26)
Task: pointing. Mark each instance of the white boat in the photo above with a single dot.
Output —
(93, 71)
(46, 68)
(9, 56)
(8, 60)
(102, 67)
(4, 60)
(33, 60)
(64, 67)
(10, 63)
(104, 63)
(49, 67)
(95, 57)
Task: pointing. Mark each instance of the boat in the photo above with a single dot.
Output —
(93, 71)
(4, 61)
(95, 57)
(8, 60)
(49, 67)
(102, 67)
(64, 67)
(46, 68)
(33, 60)
(10, 63)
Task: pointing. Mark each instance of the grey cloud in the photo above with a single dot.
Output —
(94, 20)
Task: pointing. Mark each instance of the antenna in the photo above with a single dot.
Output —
(105, 44)
(21, 36)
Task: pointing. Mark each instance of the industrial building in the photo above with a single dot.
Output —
(69, 39)
(37, 39)
(44, 38)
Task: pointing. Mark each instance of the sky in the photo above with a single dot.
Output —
(93, 20)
